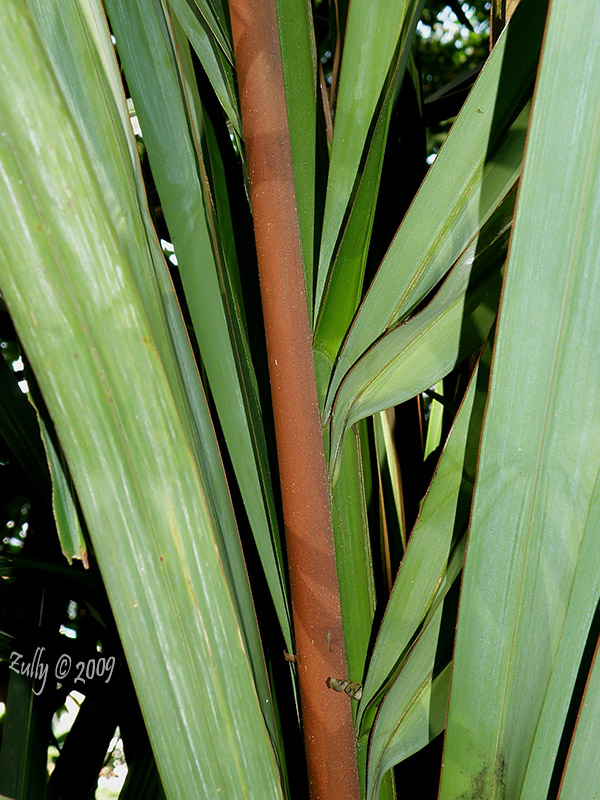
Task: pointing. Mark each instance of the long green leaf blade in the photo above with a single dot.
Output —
(89, 79)
(374, 29)
(298, 60)
(353, 556)
(143, 32)
(77, 310)
(541, 442)
(88, 74)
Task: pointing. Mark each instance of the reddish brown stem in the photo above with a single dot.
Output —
(320, 651)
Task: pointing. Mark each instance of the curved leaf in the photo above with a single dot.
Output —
(414, 710)
(472, 174)
(414, 356)
(438, 530)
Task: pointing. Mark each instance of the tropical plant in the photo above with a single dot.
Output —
(230, 472)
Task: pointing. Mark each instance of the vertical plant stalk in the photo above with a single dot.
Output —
(320, 651)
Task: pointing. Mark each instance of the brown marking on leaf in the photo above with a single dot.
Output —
(485, 785)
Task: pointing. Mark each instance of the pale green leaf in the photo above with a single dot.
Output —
(78, 312)
(540, 447)
(89, 78)
(151, 59)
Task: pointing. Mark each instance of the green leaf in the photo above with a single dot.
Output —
(353, 556)
(423, 720)
(582, 773)
(473, 172)
(434, 540)
(96, 357)
(390, 480)
(216, 17)
(33, 446)
(299, 63)
(414, 710)
(415, 355)
(375, 29)
(536, 486)
(151, 59)
(89, 78)
(343, 289)
(434, 425)
(211, 50)
(66, 514)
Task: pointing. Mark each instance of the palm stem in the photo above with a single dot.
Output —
(320, 650)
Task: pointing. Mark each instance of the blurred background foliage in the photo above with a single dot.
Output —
(453, 42)
(451, 39)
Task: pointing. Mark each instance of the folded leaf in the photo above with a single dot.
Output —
(416, 355)
(472, 174)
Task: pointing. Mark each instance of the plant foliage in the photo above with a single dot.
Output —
(455, 333)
